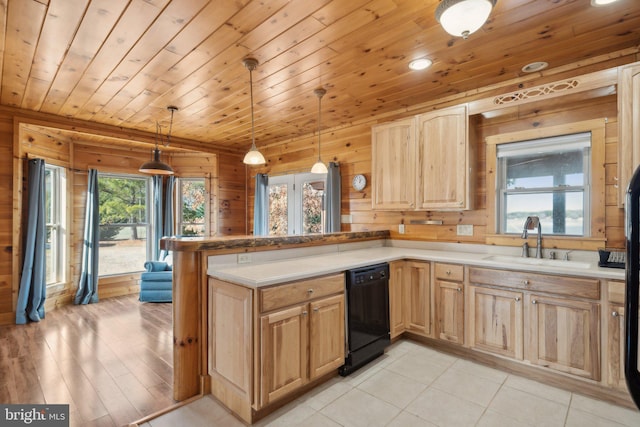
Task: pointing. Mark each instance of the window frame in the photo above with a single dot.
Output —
(148, 216)
(295, 199)
(541, 143)
(597, 237)
(58, 224)
(179, 222)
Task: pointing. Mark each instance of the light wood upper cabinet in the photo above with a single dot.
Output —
(443, 167)
(423, 162)
(393, 165)
(628, 126)
(496, 321)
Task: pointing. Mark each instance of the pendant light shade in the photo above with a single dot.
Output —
(253, 157)
(463, 17)
(156, 166)
(319, 166)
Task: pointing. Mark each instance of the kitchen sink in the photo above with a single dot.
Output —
(538, 261)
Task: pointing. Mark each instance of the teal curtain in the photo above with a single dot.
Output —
(169, 229)
(33, 286)
(261, 206)
(333, 199)
(156, 220)
(87, 292)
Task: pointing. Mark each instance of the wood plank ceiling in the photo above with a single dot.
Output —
(122, 62)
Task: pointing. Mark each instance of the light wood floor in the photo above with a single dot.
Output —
(112, 362)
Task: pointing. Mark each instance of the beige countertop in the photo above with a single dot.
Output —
(291, 269)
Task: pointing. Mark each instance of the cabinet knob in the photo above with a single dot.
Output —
(459, 289)
(310, 291)
(615, 314)
(304, 313)
(525, 282)
(517, 299)
(534, 301)
(316, 309)
(448, 272)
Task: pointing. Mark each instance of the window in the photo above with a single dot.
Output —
(124, 223)
(548, 178)
(296, 204)
(192, 202)
(55, 217)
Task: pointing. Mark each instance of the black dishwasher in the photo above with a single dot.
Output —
(367, 315)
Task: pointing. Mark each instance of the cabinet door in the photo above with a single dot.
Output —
(615, 347)
(564, 335)
(443, 160)
(284, 360)
(418, 297)
(496, 322)
(393, 165)
(230, 348)
(450, 311)
(397, 272)
(326, 335)
(628, 128)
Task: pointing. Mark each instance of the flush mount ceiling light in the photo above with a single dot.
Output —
(253, 157)
(597, 3)
(157, 166)
(535, 66)
(463, 17)
(319, 166)
(420, 64)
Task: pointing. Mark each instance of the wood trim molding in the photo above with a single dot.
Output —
(597, 237)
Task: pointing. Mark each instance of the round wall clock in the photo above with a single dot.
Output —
(359, 182)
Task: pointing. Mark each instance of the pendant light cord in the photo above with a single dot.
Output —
(253, 131)
(319, 123)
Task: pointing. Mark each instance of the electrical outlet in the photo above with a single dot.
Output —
(464, 230)
(346, 219)
(401, 228)
(244, 258)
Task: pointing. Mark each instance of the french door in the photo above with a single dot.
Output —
(296, 204)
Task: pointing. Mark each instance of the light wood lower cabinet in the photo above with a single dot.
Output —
(283, 352)
(565, 335)
(449, 290)
(418, 297)
(561, 328)
(397, 293)
(265, 344)
(496, 321)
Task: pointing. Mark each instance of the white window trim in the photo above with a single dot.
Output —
(59, 224)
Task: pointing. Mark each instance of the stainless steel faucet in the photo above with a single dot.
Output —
(531, 223)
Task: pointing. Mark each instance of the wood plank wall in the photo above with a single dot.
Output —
(77, 157)
(351, 147)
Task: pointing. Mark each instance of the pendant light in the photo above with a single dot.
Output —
(157, 166)
(253, 157)
(463, 17)
(319, 166)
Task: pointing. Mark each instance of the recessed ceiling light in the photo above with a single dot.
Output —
(597, 3)
(420, 64)
(535, 66)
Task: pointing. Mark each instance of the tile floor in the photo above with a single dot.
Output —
(415, 386)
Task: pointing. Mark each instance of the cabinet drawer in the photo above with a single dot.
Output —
(297, 292)
(561, 285)
(449, 272)
(616, 291)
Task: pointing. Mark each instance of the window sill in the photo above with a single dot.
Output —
(549, 242)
